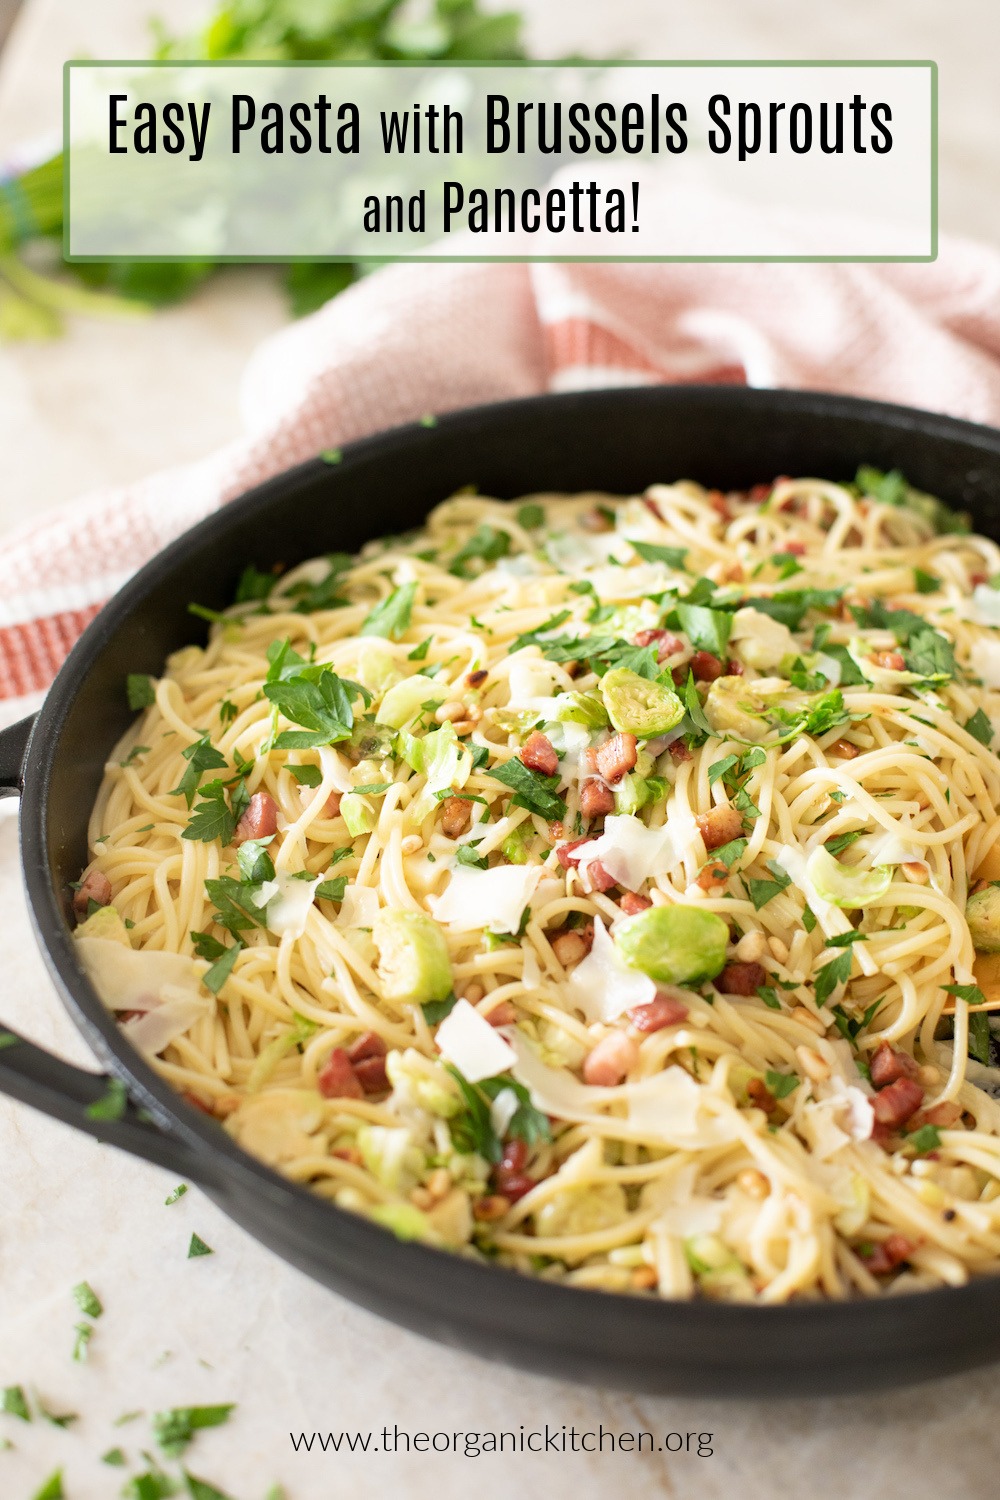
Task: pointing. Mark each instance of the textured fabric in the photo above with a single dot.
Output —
(414, 339)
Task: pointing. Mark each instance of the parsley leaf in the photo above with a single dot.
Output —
(391, 617)
(87, 1300)
(436, 1010)
(486, 543)
(791, 605)
(808, 919)
(310, 776)
(200, 1489)
(320, 701)
(926, 583)
(214, 978)
(112, 1103)
(531, 789)
(781, 1084)
(531, 637)
(254, 862)
(52, 1488)
(141, 690)
(531, 517)
(177, 1192)
(693, 707)
(332, 890)
(527, 1123)
(763, 891)
(832, 974)
(769, 995)
(235, 909)
(729, 853)
(466, 855)
(980, 728)
(931, 655)
(253, 585)
(851, 674)
(842, 841)
(202, 756)
(707, 629)
(174, 1429)
(652, 552)
(198, 1247)
(927, 1138)
(12, 1401)
(213, 818)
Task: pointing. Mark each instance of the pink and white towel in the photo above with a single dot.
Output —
(414, 339)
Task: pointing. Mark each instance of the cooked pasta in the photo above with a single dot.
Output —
(599, 886)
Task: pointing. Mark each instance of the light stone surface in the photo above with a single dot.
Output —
(105, 404)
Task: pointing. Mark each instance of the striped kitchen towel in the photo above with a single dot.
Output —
(414, 339)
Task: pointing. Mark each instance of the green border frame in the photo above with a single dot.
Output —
(518, 259)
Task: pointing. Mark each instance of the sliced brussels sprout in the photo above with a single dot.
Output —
(515, 846)
(417, 1081)
(719, 1270)
(389, 1153)
(582, 708)
(846, 885)
(674, 944)
(635, 705)
(582, 1209)
(413, 960)
(405, 1221)
(739, 709)
(376, 668)
(982, 912)
(759, 640)
(404, 701)
(107, 923)
(358, 813)
(634, 792)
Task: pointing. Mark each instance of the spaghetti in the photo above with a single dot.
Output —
(600, 886)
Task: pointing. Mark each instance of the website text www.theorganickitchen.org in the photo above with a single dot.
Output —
(545, 1439)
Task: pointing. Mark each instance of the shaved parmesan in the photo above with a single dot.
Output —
(985, 608)
(486, 898)
(359, 908)
(176, 1012)
(503, 1109)
(136, 978)
(631, 852)
(602, 985)
(335, 769)
(984, 659)
(636, 582)
(476, 1048)
(287, 901)
(895, 849)
(669, 1108)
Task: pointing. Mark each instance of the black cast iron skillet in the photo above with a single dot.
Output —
(617, 441)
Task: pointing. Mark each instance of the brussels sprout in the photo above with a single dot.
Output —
(846, 885)
(413, 960)
(416, 1080)
(581, 708)
(738, 709)
(389, 1153)
(759, 640)
(358, 813)
(582, 1210)
(638, 706)
(719, 1270)
(404, 701)
(982, 912)
(405, 1221)
(377, 669)
(515, 846)
(674, 944)
(107, 923)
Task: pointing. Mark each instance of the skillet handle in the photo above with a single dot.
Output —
(13, 744)
(94, 1103)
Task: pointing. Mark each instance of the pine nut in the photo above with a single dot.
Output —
(473, 992)
(917, 872)
(439, 1183)
(490, 1208)
(778, 949)
(753, 1182)
(751, 947)
(411, 843)
(813, 1066)
(806, 1018)
(929, 1076)
(644, 1278)
(421, 1198)
(453, 709)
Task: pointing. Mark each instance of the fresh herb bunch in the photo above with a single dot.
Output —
(31, 208)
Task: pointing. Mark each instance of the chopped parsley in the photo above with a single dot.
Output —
(13, 1402)
(391, 617)
(133, 755)
(84, 1333)
(531, 789)
(980, 728)
(87, 1300)
(531, 637)
(175, 1194)
(781, 1084)
(436, 1010)
(198, 1247)
(706, 629)
(316, 698)
(112, 1103)
(925, 583)
(832, 975)
(332, 890)
(140, 690)
(174, 1429)
(486, 543)
(472, 1129)
(52, 1488)
(763, 891)
(927, 1138)
(808, 919)
(674, 557)
(531, 517)
(842, 841)
(310, 776)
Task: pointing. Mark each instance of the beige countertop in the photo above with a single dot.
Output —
(107, 403)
